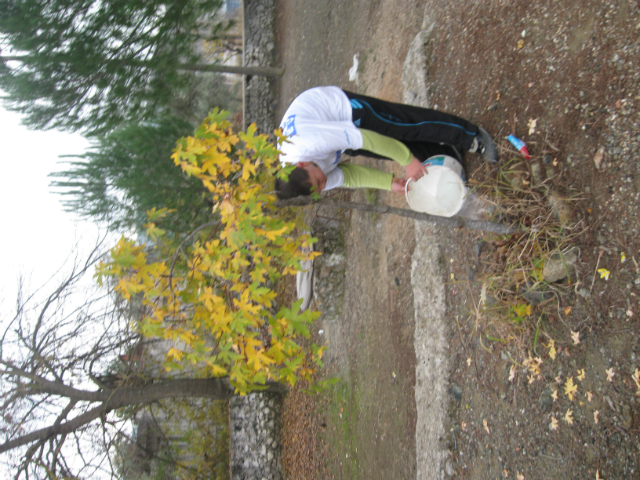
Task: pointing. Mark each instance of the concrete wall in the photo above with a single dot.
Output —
(254, 434)
(259, 50)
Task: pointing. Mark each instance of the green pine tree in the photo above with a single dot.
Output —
(91, 64)
(128, 172)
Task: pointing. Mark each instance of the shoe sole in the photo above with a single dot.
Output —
(490, 153)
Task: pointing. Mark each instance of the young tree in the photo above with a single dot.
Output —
(61, 406)
(213, 293)
(92, 64)
(129, 172)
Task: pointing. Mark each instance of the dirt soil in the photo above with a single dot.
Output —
(572, 67)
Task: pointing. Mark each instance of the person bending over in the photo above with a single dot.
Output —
(324, 122)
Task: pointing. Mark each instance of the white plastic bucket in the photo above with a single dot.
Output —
(442, 191)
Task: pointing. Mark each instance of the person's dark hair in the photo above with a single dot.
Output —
(298, 184)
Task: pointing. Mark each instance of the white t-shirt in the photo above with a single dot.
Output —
(320, 127)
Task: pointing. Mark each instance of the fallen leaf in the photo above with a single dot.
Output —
(623, 257)
(581, 374)
(555, 162)
(486, 426)
(552, 349)
(469, 361)
(532, 126)
(604, 273)
(570, 389)
(636, 379)
(610, 374)
(575, 336)
(463, 426)
(568, 418)
(554, 395)
(520, 44)
(520, 476)
(452, 276)
(558, 379)
(533, 365)
(589, 395)
(595, 416)
(598, 477)
(567, 310)
(554, 424)
(506, 473)
(512, 373)
(598, 158)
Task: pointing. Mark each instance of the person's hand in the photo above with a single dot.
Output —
(397, 185)
(415, 169)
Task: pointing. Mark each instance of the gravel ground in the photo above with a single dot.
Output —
(571, 67)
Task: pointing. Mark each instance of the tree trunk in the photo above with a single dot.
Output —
(201, 67)
(454, 222)
(212, 388)
(258, 71)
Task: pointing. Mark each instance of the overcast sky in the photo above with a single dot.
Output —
(36, 235)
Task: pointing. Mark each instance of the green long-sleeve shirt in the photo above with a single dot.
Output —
(358, 176)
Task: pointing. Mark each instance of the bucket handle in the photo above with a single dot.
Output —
(406, 193)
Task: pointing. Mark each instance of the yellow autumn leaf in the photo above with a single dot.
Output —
(569, 388)
(273, 234)
(604, 273)
(636, 379)
(175, 353)
(190, 169)
(227, 207)
(248, 169)
(554, 424)
(568, 417)
(581, 374)
(595, 416)
(567, 310)
(552, 349)
(217, 370)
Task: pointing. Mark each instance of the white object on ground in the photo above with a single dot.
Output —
(353, 71)
(304, 283)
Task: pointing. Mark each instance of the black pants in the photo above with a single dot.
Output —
(426, 132)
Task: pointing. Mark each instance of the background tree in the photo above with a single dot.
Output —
(92, 64)
(129, 172)
(62, 404)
